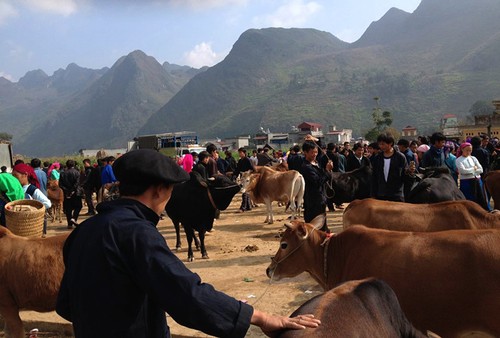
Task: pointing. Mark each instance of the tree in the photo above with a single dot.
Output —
(381, 120)
(481, 108)
(5, 136)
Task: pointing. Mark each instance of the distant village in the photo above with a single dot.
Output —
(450, 127)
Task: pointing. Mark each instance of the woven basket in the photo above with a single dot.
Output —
(25, 217)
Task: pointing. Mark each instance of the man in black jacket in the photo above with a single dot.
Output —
(244, 164)
(70, 185)
(88, 189)
(389, 171)
(315, 178)
(356, 159)
(121, 277)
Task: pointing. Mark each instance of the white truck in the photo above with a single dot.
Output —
(6, 155)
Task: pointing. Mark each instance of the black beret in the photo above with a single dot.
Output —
(145, 166)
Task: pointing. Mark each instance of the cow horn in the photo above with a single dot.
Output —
(288, 225)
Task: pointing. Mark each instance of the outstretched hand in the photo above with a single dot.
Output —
(271, 324)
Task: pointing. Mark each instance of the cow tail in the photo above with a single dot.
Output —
(300, 193)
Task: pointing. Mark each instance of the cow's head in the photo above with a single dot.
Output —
(248, 180)
(298, 249)
(434, 172)
(222, 190)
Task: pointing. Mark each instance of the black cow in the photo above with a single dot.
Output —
(434, 185)
(359, 308)
(194, 204)
(346, 187)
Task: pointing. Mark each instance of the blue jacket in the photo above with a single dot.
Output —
(121, 277)
(107, 175)
(42, 178)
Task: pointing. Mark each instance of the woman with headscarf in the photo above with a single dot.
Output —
(421, 150)
(53, 172)
(470, 171)
(27, 177)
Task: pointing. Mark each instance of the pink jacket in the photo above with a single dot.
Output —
(187, 162)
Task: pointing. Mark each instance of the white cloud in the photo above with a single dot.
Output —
(62, 7)
(203, 4)
(7, 76)
(202, 55)
(294, 13)
(7, 11)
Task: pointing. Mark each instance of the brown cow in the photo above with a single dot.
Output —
(269, 185)
(447, 282)
(56, 197)
(30, 274)
(399, 216)
(361, 308)
(492, 182)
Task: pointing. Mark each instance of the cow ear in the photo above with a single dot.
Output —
(302, 230)
(318, 221)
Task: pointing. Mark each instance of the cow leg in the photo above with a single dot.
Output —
(13, 323)
(204, 254)
(189, 234)
(52, 212)
(196, 241)
(293, 208)
(177, 235)
(59, 212)
(269, 206)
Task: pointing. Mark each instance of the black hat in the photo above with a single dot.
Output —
(146, 166)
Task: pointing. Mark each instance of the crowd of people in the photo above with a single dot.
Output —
(391, 162)
(136, 276)
(32, 181)
(394, 165)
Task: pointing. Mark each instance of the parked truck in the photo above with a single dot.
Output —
(6, 155)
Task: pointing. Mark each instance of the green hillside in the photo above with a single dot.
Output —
(438, 60)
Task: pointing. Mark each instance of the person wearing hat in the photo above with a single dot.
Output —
(121, 277)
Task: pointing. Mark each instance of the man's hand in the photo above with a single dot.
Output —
(271, 324)
(329, 166)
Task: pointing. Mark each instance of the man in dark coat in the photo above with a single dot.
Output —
(482, 154)
(295, 158)
(264, 158)
(389, 171)
(212, 166)
(435, 157)
(356, 159)
(244, 164)
(315, 178)
(73, 193)
(121, 277)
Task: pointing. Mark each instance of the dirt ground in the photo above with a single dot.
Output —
(239, 248)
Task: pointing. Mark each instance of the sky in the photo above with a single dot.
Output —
(50, 34)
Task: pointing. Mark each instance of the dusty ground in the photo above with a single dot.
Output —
(240, 249)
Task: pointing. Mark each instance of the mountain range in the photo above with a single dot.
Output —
(439, 59)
